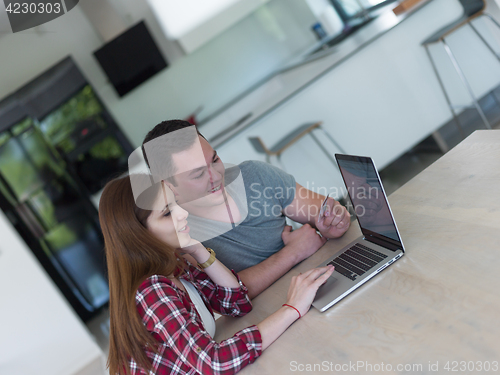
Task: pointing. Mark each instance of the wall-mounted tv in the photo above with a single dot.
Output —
(131, 58)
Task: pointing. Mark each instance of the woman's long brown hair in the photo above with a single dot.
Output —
(133, 254)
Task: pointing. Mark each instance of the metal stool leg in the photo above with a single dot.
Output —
(457, 122)
(443, 146)
(483, 40)
(465, 83)
(323, 149)
(331, 139)
(487, 45)
(495, 98)
(492, 19)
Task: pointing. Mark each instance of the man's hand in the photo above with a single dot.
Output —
(335, 221)
(301, 243)
(306, 208)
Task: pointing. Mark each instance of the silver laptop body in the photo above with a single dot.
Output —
(378, 247)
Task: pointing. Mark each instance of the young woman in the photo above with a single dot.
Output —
(164, 287)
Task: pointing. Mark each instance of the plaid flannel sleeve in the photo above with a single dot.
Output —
(165, 314)
(226, 301)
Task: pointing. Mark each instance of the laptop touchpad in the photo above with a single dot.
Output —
(326, 287)
(330, 281)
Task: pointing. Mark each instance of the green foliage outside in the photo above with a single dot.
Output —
(61, 237)
(22, 126)
(108, 148)
(4, 137)
(59, 124)
(23, 173)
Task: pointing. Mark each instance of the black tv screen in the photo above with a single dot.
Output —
(131, 58)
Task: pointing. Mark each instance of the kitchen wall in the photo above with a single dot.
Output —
(211, 76)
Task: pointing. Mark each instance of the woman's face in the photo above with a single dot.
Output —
(169, 224)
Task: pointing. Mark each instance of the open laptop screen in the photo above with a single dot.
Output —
(367, 196)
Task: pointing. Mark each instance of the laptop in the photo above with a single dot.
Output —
(378, 247)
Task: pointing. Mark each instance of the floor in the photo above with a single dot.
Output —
(393, 176)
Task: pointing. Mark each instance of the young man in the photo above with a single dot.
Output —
(240, 211)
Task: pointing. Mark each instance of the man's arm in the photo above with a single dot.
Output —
(299, 245)
(306, 206)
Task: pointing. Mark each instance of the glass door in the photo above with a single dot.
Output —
(54, 215)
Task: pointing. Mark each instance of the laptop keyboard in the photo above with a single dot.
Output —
(356, 261)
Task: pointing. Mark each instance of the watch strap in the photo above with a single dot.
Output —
(210, 260)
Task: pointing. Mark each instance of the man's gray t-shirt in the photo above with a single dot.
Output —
(268, 191)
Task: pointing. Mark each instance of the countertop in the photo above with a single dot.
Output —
(436, 306)
(298, 73)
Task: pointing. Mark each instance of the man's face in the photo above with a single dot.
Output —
(199, 176)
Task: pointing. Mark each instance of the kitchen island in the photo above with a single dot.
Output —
(375, 92)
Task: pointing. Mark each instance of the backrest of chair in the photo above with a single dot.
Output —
(471, 7)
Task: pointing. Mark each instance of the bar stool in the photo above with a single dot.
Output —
(472, 9)
(291, 138)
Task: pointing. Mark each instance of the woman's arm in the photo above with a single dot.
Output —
(217, 272)
(165, 314)
(226, 300)
(301, 294)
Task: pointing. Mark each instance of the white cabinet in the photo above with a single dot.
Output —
(194, 22)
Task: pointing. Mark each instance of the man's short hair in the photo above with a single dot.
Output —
(164, 128)
(184, 135)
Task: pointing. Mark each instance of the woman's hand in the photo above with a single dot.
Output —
(303, 287)
(192, 247)
(301, 293)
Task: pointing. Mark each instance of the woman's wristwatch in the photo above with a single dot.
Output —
(210, 260)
